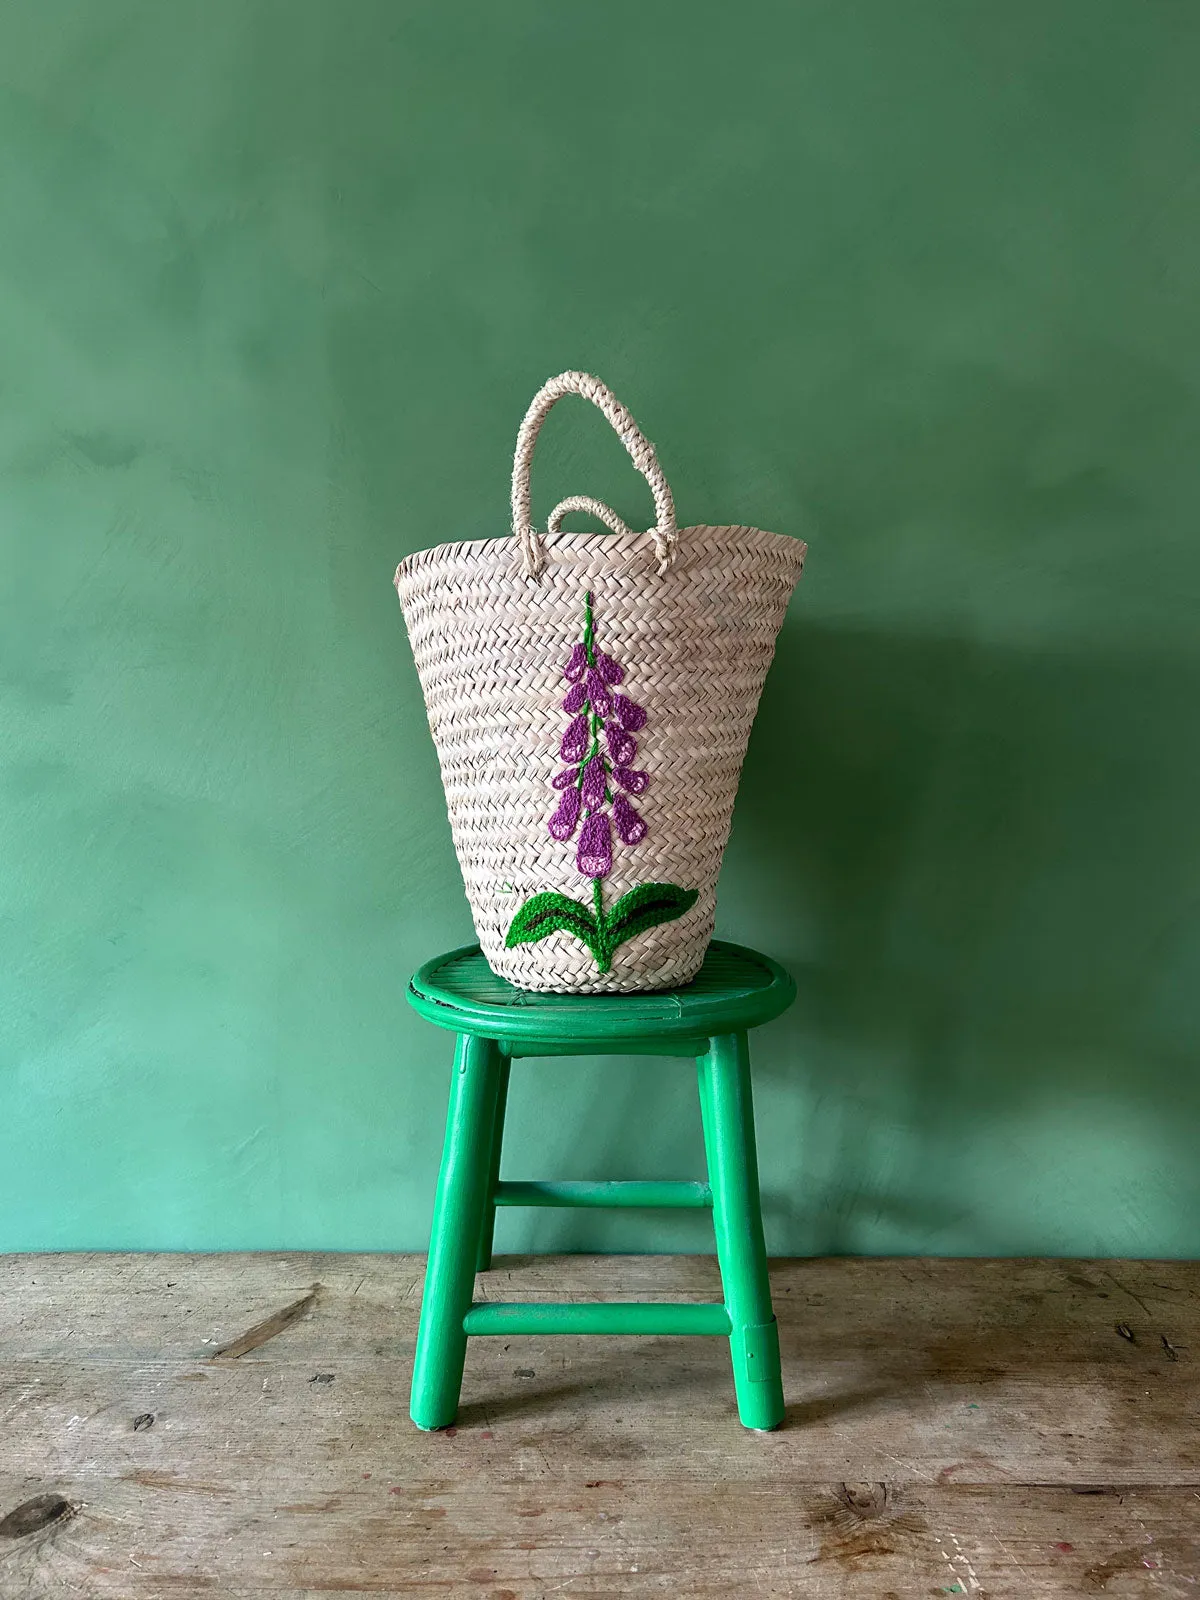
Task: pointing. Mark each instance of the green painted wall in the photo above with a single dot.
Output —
(277, 279)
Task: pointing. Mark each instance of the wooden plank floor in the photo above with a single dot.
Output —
(985, 1428)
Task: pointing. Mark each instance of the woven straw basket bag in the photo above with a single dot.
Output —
(590, 696)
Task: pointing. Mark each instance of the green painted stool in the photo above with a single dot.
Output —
(735, 989)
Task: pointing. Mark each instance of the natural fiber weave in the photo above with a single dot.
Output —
(695, 640)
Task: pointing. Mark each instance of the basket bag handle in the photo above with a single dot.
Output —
(641, 453)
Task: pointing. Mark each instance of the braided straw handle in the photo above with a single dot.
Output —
(641, 453)
(594, 508)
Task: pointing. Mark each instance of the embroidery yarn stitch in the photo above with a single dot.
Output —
(587, 793)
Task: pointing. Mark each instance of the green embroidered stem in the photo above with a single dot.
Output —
(589, 645)
(598, 902)
(597, 723)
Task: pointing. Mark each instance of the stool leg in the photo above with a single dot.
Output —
(457, 1219)
(487, 1233)
(710, 1160)
(726, 1103)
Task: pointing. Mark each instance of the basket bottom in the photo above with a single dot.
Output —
(663, 977)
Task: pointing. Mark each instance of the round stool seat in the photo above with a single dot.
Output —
(735, 989)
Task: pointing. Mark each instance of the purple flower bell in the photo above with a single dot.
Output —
(630, 827)
(594, 856)
(597, 693)
(621, 747)
(594, 785)
(562, 823)
(630, 716)
(635, 782)
(575, 741)
(576, 665)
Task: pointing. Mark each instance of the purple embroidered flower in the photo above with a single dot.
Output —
(576, 665)
(621, 747)
(562, 823)
(631, 717)
(575, 741)
(594, 857)
(598, 750)
(630, 827)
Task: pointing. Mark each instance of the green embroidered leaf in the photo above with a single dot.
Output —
(645, 907)
(550, 912)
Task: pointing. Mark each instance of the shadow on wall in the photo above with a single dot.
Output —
(986, 864)
(983, 867)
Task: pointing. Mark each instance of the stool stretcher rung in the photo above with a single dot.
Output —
(648, 1195)
(630, 1316)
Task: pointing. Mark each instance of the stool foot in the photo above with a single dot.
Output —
(757, 1378)
(727, 1107)
(458, 1214)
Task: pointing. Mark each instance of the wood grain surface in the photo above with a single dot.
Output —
(985, 1428)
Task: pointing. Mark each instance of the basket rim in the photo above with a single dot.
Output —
(590, 543)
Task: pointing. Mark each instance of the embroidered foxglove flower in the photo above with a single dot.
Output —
(598, 749)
